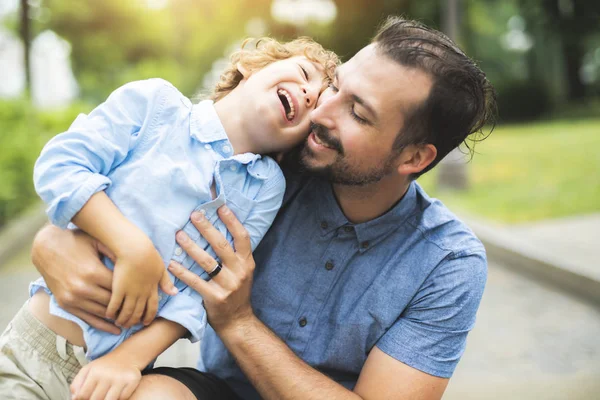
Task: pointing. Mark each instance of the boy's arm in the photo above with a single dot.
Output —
(77, 163)
(138, 264)
(120, 370)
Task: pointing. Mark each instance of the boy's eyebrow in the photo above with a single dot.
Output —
(365, 104)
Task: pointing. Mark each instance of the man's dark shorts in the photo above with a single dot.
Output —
(203, 385)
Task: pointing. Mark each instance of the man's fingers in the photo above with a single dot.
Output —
(241, 238)
(105, 251)
(217, 241)
(96, 322)
(92, 307)
(114, 393)
(202, 258)
(166, 285)
(191, 279)
(114, 305)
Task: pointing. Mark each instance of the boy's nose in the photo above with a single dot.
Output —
(310, 96)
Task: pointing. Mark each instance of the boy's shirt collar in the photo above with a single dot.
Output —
(205, 125)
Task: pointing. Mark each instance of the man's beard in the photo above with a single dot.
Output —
(340, 171)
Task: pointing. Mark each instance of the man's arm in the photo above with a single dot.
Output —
(271, 366)
(69, 261)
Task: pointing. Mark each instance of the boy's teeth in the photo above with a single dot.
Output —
(292, 113)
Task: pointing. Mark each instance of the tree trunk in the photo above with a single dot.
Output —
(26, 38)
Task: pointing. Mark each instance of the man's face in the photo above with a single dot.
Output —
(358, 118)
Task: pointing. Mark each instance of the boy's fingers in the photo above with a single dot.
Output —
(138, 313)
(126, 311)
(128, 391)
(114, 393)
(166, 285)
(78, 381)
(114, 305)
(241, 237)
(100, 391)
(87, 388)
(151, 308)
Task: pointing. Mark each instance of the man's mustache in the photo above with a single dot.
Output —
(323, 134)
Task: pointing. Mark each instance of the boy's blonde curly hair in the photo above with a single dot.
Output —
(266, 50)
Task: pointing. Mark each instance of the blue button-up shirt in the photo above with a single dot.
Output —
(156, 155)
(408, 282)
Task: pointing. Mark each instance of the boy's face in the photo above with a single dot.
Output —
(279, 99)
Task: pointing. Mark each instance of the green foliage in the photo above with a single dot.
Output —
(23, 133)
(531, 172)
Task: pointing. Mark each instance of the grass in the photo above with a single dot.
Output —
(531, 172)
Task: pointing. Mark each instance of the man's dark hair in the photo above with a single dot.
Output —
(461, 100)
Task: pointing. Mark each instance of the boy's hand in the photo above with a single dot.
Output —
(139, 270)
(110, 377)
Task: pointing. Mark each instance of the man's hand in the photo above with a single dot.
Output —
(69, 261)
(111, 377)
(227, 295)
(138, 271)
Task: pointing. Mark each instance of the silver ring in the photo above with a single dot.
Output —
(215, 270)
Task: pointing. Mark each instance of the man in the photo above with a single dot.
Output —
(364, 287)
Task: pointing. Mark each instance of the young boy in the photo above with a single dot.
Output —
(130, 174)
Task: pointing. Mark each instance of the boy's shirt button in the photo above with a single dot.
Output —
(226, 149)
(207, 146)
(178, 251)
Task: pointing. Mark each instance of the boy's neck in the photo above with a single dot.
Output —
(234, 126)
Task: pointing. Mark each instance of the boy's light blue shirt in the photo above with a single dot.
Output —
(156, 155)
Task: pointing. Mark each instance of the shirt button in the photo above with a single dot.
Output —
(302, 322)
(226, 149)
(233, 167)
(324, 224)
(207, 146)
(178, 251)
(202, 211)
(328, 265)
(348, 228)
(160, 297)
(365, 244)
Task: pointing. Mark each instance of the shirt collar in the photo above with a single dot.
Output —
(367, 233)
(205, 125)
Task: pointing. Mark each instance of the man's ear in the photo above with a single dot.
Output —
(243, 70)
(415, 158)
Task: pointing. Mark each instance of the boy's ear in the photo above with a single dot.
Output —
(243, 70)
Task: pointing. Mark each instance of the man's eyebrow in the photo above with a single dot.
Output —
(357, 99)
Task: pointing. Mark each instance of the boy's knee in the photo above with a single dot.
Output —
(161, 387)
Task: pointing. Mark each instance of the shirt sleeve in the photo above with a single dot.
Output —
(75, 164)
(186, 309)
(267, 204)
(431, 333)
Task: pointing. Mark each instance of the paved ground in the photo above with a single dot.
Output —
(573, 239)
(530, 342)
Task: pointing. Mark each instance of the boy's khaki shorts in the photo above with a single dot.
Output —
(35, 363)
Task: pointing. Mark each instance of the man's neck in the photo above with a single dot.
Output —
(365, 203)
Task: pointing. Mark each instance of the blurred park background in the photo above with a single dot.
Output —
(543, 56)
(535, 179)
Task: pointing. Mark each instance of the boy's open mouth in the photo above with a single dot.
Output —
(288, 104)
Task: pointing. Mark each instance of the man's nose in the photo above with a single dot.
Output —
(325, 113)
